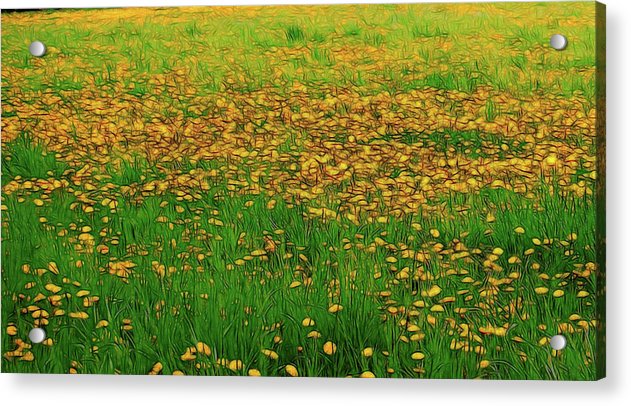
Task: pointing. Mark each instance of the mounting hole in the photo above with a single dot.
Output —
(37, 48)
(37, 335)
(558, 342)
(558, 42)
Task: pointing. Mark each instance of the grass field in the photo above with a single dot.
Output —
(405, 191)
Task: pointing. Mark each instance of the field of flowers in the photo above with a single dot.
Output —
(406, 191)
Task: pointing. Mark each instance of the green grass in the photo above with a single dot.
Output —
(425, 32)
(294, 34)
(264, 286)
(28, 159)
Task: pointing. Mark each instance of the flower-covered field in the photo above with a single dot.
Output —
(406, 191)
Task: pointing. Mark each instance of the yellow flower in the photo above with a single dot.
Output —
(156, 369)
(433, 291)
(291, 370)
(437, 308)
(417, 356)
(203, 348)
(329, 348)
(189, 354)
(235, 365)
(558, 293)
(335, 308)
(273, 355)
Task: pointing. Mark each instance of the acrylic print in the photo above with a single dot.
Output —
(389, 191)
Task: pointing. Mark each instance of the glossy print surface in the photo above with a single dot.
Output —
(390, 191)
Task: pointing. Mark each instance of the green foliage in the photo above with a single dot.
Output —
(28, 158)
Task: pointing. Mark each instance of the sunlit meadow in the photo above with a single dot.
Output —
(405, 191)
